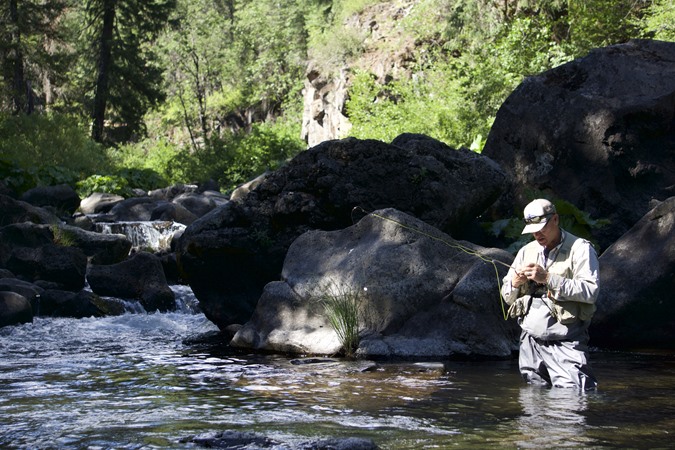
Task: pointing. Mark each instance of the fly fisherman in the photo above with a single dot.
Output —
(551, 287)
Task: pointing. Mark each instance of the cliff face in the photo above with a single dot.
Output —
(387, 50)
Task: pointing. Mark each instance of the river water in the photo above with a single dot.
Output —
(144, 381)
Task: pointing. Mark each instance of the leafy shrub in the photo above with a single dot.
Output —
(111, 184)
(44, 141)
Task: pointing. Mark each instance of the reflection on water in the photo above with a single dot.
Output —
(552, 415)
(133, 381)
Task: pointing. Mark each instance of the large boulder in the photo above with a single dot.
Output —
(99, 203)
(15, 309)
(27, 290)
(139, 278)
(100, 248)
(62, 198)
(420, 293)
(598, 132)
(15, 211)
(229, 254)
(135, 209)
(63, 265)
(636, 307)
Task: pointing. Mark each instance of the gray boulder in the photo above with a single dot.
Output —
(141, 278)
(99, 203)
(637, 274)
(228, 255)
(420, 293)
(15, 309)
(597, 132)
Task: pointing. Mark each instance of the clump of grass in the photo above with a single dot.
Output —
(342, 304)
(63, 237)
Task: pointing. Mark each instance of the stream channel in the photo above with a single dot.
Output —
(143, 381)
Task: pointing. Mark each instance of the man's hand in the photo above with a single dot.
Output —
(532, 272)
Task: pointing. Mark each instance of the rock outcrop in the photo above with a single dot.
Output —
(598, 132)
(420, 293)
(228, 255)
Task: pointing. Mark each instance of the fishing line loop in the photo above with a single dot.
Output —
(454, 245)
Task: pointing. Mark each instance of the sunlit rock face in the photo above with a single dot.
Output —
(231, 253)
(597, 132)
(419, 293)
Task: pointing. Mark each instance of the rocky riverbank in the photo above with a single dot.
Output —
(596, 133)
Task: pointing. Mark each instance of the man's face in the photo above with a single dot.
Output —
(549, 236)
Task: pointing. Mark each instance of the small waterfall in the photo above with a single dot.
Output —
(149, 236)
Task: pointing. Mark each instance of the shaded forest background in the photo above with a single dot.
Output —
(106, 95)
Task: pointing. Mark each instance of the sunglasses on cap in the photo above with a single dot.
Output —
(536, 219)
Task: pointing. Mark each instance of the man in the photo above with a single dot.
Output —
(551, 287)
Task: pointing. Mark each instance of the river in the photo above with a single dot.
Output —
(145, 381)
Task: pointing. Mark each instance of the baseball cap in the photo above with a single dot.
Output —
(536, 214)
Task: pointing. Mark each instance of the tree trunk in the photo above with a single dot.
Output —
(16, 60)
(104, 64)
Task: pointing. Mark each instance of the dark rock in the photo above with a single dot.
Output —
(172, 212)
(30, 291)
(61, 197)
(637, 275)
(134, 209)
(63, 265)
(15, 309)
(15, 211)
(247, 440)
(141, 277)
(4, 273)
(229, 254)
(100, 248)
(350, 443)
(58, 303)
(598, 132)
(171, 192)
(420, 293)
(197, 204)
(234, 440)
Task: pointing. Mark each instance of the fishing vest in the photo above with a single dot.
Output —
(565, 312)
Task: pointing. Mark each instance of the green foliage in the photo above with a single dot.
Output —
(572, 219)
(47, 149)
(342, 304)
(111, 184)
(222, 84)
(658, 21)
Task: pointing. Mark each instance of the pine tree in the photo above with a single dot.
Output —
(127, 77)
